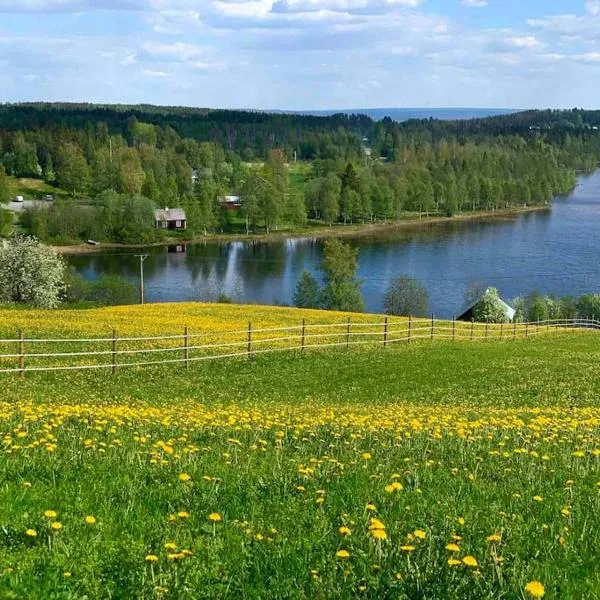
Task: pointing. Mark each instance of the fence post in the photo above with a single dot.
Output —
(537, 327)
(501, 331)
(114, 351)
(385, 332)
(526, 330)
(432, 319)
(472, 328)
(409, 327)
(250, 339)
(453, 328)
(21, 355)
(348, 333)
(486, 329)
(186, 346)
(514, 330)
(303, 335)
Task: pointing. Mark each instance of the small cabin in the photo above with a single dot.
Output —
(170, 218)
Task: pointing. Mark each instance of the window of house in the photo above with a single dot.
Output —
(177, 223)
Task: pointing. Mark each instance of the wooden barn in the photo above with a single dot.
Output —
(170, 218)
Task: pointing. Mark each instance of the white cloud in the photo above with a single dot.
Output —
(155, 73)
(526, 41)
(474, 3)
(593, 7)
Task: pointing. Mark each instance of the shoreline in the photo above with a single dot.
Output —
(320, 232)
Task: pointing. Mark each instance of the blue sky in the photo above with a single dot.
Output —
(303, 54)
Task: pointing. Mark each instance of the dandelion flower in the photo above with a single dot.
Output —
(419, 533)
(90, 520)
(151, 558)
(538, 498)
(452, 548)
(535, 589)
(470, 561)
(379, 534)
(171, 546)
(31, 533)
(345, 530)
(342, 554)
(371, 507)
(184, 477)
(407, 548)
(215, 517)
(453, 562)
(494, 538)
(182, 514)
(56, 526)
(50, 514)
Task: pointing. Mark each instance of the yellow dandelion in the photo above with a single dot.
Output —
(495, 538)
(184, 477)
(407, 548)
(470, 561)
(182, 514)
(372, 507)
(343, 554)
(379, 534)
(151, 558)
(419, 533)
(90, 520)
(171, 546)
(31, 533)
(50, 514)
(538, 498)
(453, 562)
(452, 548)
(56, 526)
(344, 530)
(215, 517)
(535, 589)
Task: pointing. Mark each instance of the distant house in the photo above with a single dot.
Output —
(170, 218)
(230, 202)
(195, 176)
(467, 312)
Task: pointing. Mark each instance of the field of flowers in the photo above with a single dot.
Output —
(447, 470)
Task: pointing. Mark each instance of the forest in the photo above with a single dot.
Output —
(115, 164)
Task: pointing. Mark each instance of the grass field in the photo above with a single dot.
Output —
(32, 189)
(440, 470)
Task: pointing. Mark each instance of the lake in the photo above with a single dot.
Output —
(555, 251)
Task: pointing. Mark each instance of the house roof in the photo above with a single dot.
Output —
(508, 310)
(169, 214)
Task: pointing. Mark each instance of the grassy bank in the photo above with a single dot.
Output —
(444, 470)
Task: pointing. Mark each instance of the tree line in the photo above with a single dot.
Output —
(116, 168)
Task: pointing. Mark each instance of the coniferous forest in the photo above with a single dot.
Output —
(113, 165)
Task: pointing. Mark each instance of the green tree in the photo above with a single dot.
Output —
(342, 288)
(31, 273)
(308, 292)
(406, 296)
(73, 172)
(330, 198)
(4, 189)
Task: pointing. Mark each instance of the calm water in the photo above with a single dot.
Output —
(555, 251)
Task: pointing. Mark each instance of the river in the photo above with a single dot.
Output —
(555, 251)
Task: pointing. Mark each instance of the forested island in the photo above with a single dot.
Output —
(108, 168)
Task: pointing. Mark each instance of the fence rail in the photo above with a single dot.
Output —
(39, 354)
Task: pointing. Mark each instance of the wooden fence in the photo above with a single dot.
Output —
(115, 352)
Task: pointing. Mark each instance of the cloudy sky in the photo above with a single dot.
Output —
(303, 53)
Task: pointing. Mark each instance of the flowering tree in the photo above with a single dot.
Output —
(490, 309)
(30, 273)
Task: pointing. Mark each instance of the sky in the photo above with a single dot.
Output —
(303, 54)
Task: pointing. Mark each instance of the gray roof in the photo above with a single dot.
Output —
(169, 214)
(508, 310)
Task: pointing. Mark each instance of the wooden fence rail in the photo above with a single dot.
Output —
(59, 354)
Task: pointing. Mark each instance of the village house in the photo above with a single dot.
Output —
(230, 202)
(170, 218)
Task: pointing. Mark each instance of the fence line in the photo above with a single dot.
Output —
(249, 342)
